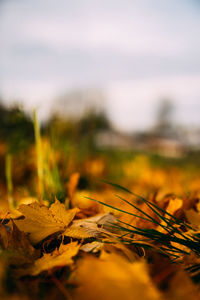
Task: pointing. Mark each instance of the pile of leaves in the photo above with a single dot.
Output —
(141, 249)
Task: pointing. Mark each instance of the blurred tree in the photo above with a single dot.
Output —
(93, 122)
(77, 130)
(16, 128)
(89, 125)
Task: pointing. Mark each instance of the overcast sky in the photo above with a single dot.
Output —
(136, 51)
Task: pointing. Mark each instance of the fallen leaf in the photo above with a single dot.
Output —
(174, 205)
(41, 221)
(59, 258)
(119, 249)
(61, 215)
(93, 247)
(77, 232)
(193, 217)
(17, 245)
(182, 288)
(115, 278)
(91, 227)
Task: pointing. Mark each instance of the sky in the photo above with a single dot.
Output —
(136, 52)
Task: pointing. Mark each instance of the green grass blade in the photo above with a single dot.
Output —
(40, 170)
(146, 201)
(9, 182)
(118, 209)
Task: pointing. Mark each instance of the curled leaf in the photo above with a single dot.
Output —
(91, 227)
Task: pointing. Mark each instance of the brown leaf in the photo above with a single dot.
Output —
(17, 245)
(41, 221)
(61, 215)
(174, 205)
(119, 249)
(91, 227)
(93, 247)
(182, 288)
(193, 217)
(113, 279)
(59, 258)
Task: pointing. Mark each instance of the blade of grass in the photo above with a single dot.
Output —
(9, 182)
(39, 156)
(118, 209)
(137, 208)
(146, 201)
(166, 220)
(156, 236)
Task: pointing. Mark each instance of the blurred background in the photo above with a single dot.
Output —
(123, 56)
(105, 77)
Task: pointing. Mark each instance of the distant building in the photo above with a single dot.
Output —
(114, 139)
(176, 144)
(76, 103)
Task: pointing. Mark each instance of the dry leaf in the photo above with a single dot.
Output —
(41, 221)
(182, 288)
(61, 215)
(113, 279)
(2, 275)
(91, 227)
(93, 247)
(119, 249)
(79, 233)
(193, 217)
(59, 258)
(174, 205)
(17, 245)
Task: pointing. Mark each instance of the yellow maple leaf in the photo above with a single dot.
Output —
(61, 215)
(59, 258)
(41, 221)
(78, 232)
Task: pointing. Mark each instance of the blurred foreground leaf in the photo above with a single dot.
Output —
(114, 278)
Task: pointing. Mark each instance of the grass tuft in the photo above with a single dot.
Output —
(171, 240)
